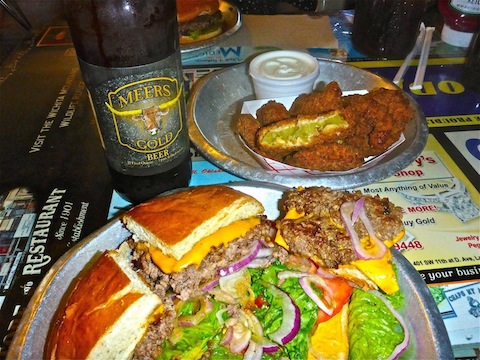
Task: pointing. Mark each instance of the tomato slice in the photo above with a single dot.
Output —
(342, 291)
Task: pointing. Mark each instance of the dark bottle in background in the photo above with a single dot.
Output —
(129, 57)
(471, 74)
(386, 28)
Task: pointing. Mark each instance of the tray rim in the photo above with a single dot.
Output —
(18, 350)
(362, 177)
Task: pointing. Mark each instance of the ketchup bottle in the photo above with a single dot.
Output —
(462, 20)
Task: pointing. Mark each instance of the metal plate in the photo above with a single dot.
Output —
(429, 336)
(232, 22)
(216, 100)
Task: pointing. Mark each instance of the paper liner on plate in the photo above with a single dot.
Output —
(251, 107)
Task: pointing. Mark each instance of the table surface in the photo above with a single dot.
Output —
(55, 188)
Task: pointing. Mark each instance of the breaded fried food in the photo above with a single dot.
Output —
(272, 112)
(247, 127)
(318, 102)
(390, 114)
(382, 115)
(301, 132)
(326, 157)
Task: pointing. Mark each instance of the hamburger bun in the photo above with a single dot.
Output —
(188, 216)
(189, 9)
(106, 301)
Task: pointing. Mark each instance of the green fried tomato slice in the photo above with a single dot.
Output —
(302, 131)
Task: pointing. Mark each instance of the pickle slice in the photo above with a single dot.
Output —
(301, 131)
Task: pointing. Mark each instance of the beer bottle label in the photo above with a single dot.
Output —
(140, 112)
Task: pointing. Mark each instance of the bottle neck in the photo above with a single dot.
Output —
(120, 33)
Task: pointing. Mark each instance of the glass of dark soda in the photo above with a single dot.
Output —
(387, 28)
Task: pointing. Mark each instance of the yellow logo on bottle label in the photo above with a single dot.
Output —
(147, 113)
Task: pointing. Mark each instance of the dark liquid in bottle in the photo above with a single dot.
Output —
(125, 34)
(386, 28)
(122, 33)
(137, 189)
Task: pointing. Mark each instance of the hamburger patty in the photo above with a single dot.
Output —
(320, 234)
(190, 281)
(199, 23)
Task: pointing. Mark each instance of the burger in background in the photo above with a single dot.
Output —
(198, 20)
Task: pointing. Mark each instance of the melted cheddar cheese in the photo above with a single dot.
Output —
(195, 256)
(292, 214)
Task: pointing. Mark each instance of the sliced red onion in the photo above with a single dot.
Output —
(260, 262)
(305, 282)
(222, 296)
(291, 274)
(238, 285)
(322, 272)
(219, 316)
(210, 285)
(291, 317)
(227, 337)
(241, 338)
(358, 207)
(382, 248)
(254, 351)
(358, 210)
(400, 348)
(251, 322)
(242, 262)
(268, 346)
(206, 308)
(265, 252)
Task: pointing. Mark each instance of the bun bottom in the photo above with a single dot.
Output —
(188, 39)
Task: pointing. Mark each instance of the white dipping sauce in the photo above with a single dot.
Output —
(284, 67)
(283, 73)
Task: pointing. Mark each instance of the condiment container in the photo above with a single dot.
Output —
(462, 20)
(283, 73)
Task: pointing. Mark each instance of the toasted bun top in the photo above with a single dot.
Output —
(107, 299)
(176, 222)
(190, 9)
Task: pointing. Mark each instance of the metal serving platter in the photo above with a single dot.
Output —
(429, 336)
(216, 101)
(232, 22)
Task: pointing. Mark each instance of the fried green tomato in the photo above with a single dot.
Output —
(326, 157)
(272, 112)
(318, 102)
(301, 132)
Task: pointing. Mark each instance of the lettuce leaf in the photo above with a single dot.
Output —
(373, 330)
(197, 340)
(271, 316)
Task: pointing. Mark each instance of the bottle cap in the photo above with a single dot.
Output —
(455, 37)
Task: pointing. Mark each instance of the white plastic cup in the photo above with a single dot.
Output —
(283, 73)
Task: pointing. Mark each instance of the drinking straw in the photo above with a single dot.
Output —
(422, 64)
(411, 54)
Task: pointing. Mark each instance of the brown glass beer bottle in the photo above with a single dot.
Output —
(129, 57)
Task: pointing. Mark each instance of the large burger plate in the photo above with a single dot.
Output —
(429, 336)
(216, 101)
(232, 22)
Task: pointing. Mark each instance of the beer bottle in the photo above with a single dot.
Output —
(129, 57)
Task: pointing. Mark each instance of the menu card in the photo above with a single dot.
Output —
(54, 183)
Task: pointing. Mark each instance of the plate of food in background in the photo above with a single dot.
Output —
(203, 24)
(371, 129)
